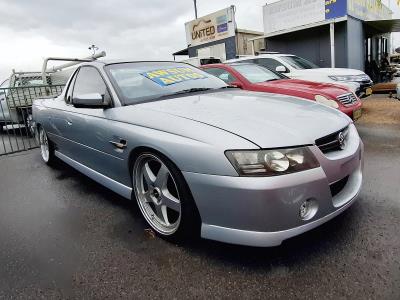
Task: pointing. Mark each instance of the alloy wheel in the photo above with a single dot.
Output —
(157, 194)
(44, 145)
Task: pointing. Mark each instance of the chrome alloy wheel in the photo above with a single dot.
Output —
(44, 145)
(157, 194)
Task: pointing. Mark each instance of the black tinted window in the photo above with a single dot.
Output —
(89, 81)
(221, 74)
(256, 73)
(269, 63)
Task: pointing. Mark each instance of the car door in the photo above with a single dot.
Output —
(91, 135)
(57, 123)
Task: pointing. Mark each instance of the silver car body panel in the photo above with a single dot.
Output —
(265, 211)
(194, 132)
(113, 185)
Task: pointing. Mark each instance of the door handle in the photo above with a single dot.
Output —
(69, 123)
(120, 145)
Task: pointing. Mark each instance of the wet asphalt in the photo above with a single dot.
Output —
(64, 236)
(15, 138)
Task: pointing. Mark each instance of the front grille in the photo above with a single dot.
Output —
(337, 186)
(347, 99)
(332, 142)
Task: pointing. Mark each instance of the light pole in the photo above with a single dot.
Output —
(195, 8)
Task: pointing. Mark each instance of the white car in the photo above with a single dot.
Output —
(296, 67)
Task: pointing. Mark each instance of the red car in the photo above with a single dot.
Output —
(253, 77)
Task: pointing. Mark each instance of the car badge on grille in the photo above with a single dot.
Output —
(342, 140)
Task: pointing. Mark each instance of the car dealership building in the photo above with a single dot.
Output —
(216, 35)
(332, 33)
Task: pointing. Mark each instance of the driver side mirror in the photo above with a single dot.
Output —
(92, 100)
(281, 69)
(236, 84)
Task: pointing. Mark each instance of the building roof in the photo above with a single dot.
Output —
(238, 30)
(181, 52)
(302, 27)
(385, 26)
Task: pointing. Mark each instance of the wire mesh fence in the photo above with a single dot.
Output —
(16, 128)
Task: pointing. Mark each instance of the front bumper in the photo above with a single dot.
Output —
(349, 110)
(264, 211)
(361, 88)
(365, 89)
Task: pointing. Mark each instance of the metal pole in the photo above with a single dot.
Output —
(195, 8)
(332, 35)
(73, 61)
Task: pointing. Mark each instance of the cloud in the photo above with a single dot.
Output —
(127, 29)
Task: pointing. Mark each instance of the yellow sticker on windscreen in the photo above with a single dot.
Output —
(170, 76)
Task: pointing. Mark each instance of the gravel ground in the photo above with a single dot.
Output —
(64, 236)
(380, 110)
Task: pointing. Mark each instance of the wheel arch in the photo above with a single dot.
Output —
(134, 154)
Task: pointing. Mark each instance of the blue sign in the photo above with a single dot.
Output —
(335, 9)
(222, 27)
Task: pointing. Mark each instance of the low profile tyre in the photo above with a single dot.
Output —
(164, 198)
(46, 147)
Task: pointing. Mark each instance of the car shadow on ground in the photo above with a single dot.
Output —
(316, 244)
(311, 245)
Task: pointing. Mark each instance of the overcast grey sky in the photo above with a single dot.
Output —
(151, 29)
(137, 29)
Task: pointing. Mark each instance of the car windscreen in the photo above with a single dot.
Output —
(298, 62)
(256, 74)
(146, 81)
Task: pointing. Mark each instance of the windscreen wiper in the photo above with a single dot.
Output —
(187, 91)
(192, 90)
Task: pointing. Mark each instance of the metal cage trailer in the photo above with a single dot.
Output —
(17, 94)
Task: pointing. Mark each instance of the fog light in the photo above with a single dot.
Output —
(308, 209)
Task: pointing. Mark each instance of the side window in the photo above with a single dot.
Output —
(221, 74)
(89, 81)
(269, 63)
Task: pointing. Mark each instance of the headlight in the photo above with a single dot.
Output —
(356, 78)
(342, 78)
(272, 162)
(325, 101)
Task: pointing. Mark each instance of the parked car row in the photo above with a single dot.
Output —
(203, 158)
(297, 67)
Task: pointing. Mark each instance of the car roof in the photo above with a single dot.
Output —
(122, 61)
(228, 63)
(258, 56)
